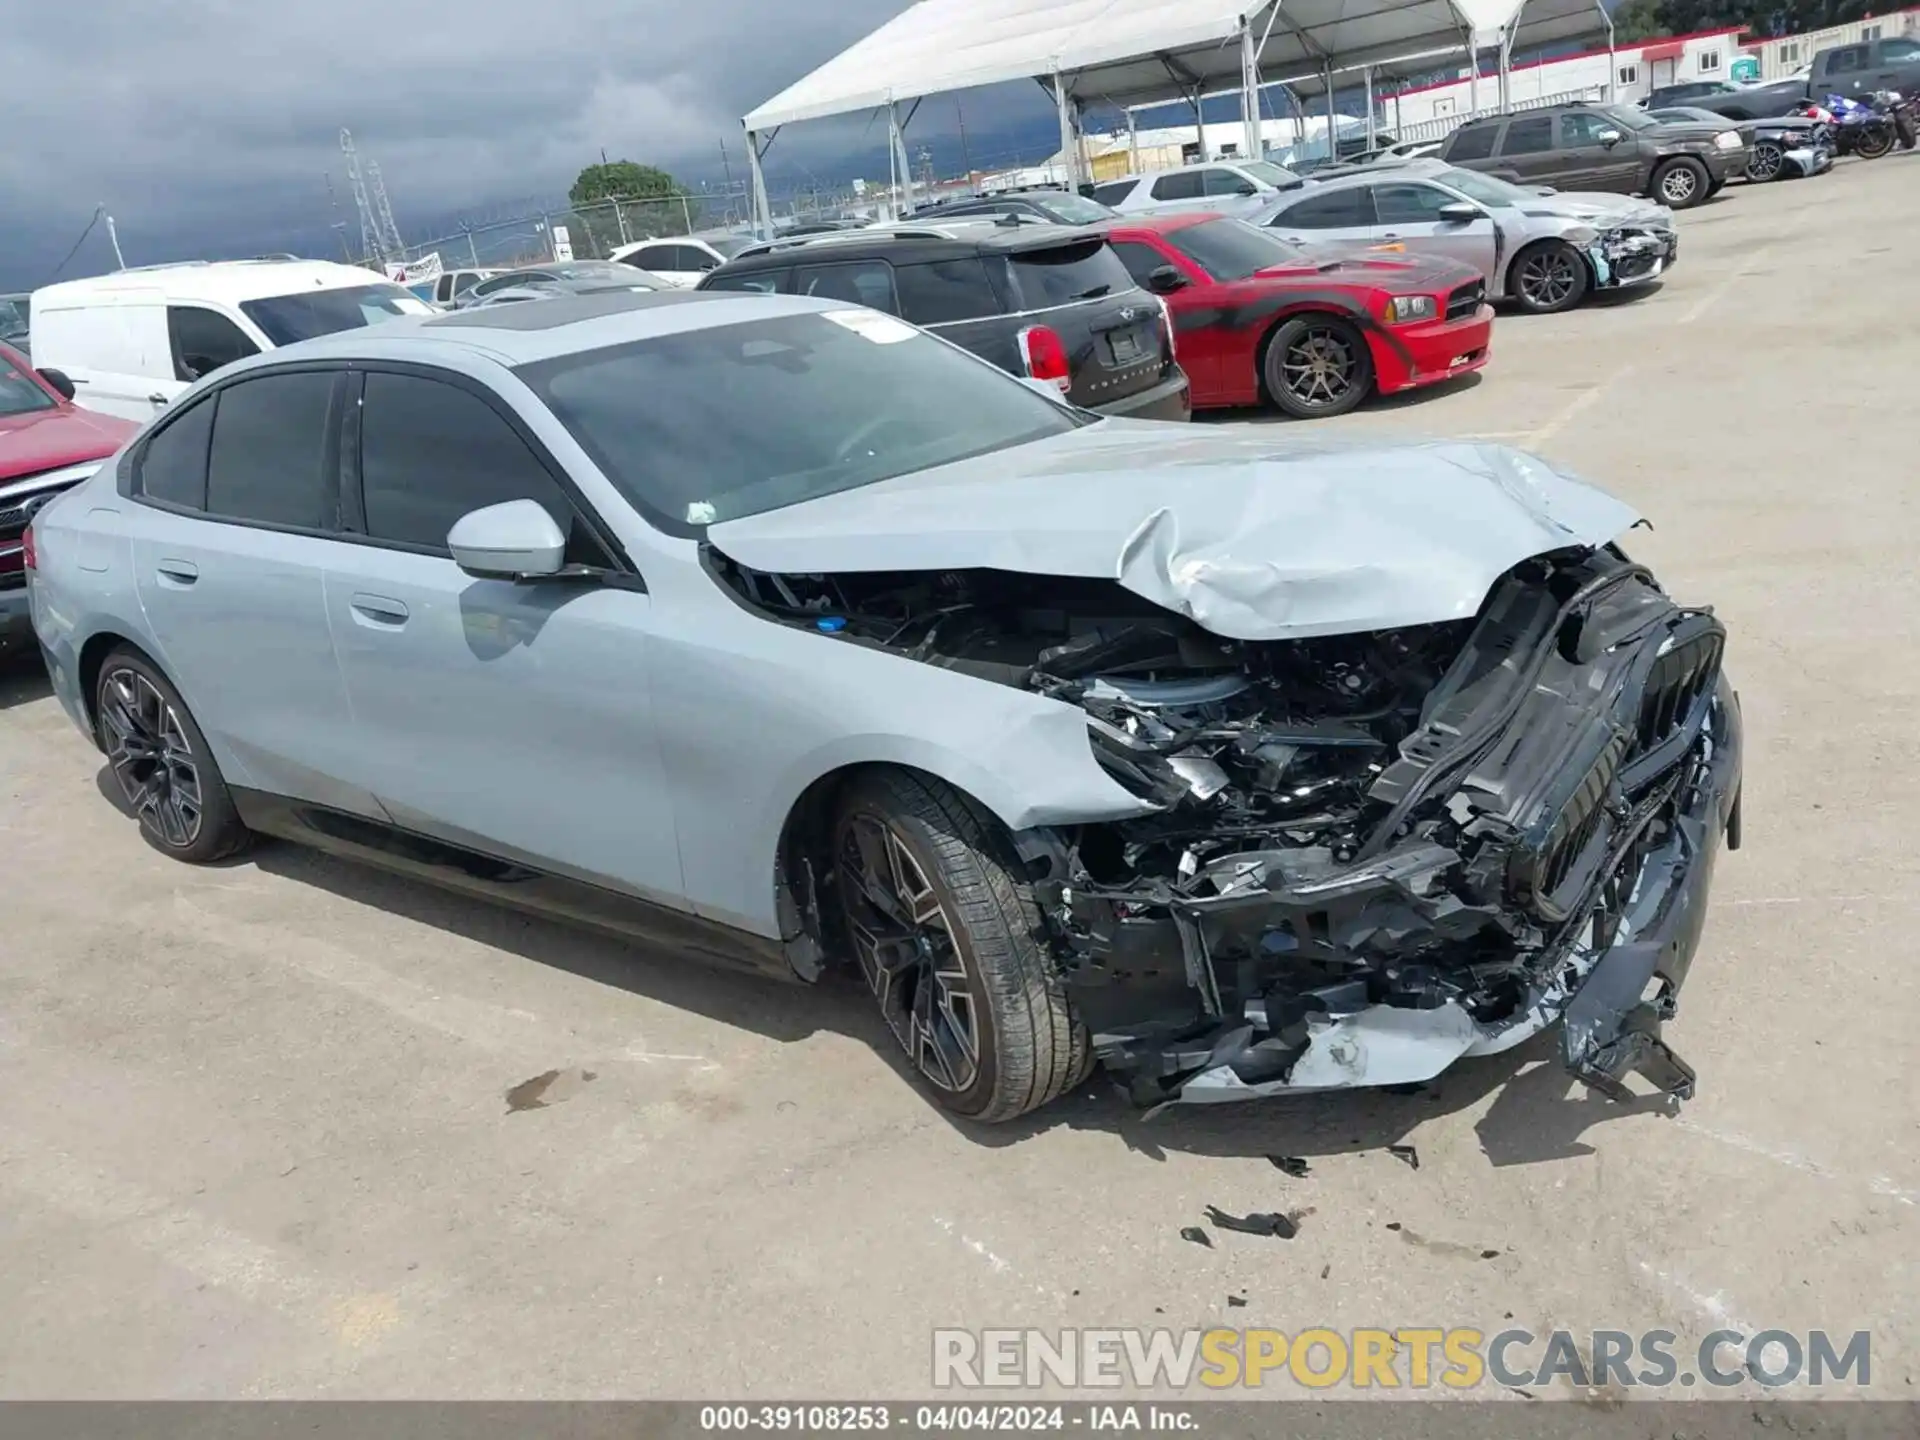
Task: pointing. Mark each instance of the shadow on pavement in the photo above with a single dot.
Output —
(23, 679)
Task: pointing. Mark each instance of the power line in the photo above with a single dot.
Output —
(94, 220)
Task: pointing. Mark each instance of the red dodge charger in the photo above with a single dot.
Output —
(1261, 320)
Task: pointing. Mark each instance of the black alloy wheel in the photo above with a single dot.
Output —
(161, 762)
(1317, 366)
(151, 757)
(938, 907)
(1549, 278)
(904, 940)
(1766, 162)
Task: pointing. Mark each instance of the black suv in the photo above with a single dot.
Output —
(1601, 147)
(1039, 301)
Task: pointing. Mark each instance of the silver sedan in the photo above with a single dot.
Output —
(1543, 250)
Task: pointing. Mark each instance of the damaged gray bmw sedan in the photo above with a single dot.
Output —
(781, 634)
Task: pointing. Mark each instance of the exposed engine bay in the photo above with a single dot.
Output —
(1370, 853)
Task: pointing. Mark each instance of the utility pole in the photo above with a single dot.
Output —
(119, 261)
(966, 155)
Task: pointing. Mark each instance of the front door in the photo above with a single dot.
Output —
(1407, 212)
(1591, 164)
(512, 719)
(229, 553)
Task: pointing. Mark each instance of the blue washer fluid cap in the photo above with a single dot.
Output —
(831, 624)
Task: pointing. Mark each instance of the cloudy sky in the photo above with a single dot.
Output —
(208, 126)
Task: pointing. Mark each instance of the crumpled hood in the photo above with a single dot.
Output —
(1601, 209)
(1250, 536)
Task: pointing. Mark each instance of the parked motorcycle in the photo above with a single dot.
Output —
(1859, 129)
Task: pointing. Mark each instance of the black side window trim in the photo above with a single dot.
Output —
(353, 508)
(329, 459)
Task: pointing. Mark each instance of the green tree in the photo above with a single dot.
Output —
(1637, 20)
(621, 180)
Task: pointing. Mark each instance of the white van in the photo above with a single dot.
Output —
(132, 340)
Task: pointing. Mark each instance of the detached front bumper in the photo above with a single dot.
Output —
(1413, 355)
(1808, 160)
(1632, 257)
(1608, 980)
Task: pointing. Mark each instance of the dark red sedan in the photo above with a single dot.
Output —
(47, 444)
(1260, 320)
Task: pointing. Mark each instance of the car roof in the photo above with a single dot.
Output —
(1424, 168)
(1162, 224)
(910, 241)
(228, 282)
(533, 330)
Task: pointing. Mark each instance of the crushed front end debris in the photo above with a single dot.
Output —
(1364, 855)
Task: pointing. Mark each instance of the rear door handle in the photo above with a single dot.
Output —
(156, 398)
(379, 610)
(177, 572)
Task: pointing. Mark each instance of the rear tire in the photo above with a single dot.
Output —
(1874, 146)
(1680, 183)
(1316, 366)
(1547, 277)
(949, 939)
(162, 763)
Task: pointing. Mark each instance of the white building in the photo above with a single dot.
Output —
(1626, 75)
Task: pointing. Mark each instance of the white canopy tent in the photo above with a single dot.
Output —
(1130, 53)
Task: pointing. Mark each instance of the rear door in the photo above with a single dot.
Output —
(1175, 190)
(238, 506)
(1407, 212)
(673, 263)
(114, 350)
(1116, 341)
(1342, 215)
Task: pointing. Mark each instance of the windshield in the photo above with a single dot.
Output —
(1487, 189)
(1630, 119)
(1232, 249)
(1268, 173)
(1072, 209)
(728, 246)
(661, 417)
(20, 393)
(608, 270)
(287, 319)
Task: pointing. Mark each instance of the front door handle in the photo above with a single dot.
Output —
(379, 610)
(156, 398)
(177, 572)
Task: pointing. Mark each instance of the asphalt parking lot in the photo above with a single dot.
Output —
(266, 1129)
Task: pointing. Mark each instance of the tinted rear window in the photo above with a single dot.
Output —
(943, 291)
(1470, 142)
(1114, 191)
(1063, 274)
(269, 450)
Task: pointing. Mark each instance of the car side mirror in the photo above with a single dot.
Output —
(1165, 279)
(59, 380)
(1610, 138)
(1459, 212)
(509, 541)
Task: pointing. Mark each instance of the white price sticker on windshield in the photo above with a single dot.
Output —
(872, 325)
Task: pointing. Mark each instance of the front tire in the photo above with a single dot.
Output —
(1547, 278)
(949, 939)
(161, 762)
(1317, 366)
(1766, 163)
(1680, 183)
